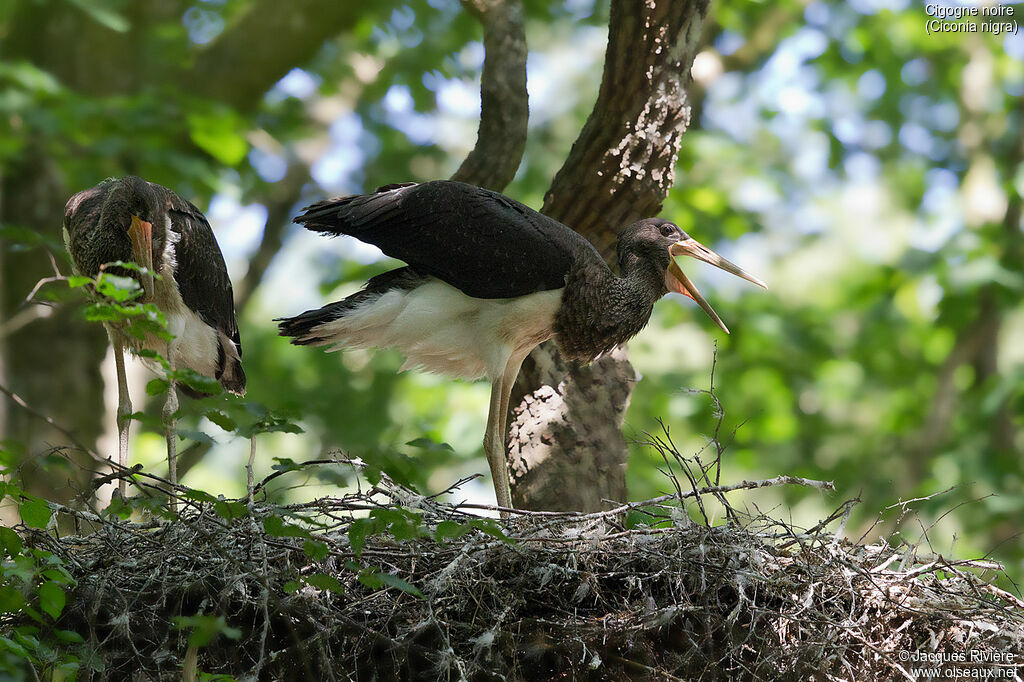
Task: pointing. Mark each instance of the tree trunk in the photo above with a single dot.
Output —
(566, 425)
(53, 361)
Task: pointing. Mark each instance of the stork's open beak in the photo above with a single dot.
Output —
(141, 234)
(678, 282)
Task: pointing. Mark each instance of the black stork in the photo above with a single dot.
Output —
(487, 280)
(131, 220)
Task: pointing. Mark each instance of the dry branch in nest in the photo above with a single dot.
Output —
(385, 584)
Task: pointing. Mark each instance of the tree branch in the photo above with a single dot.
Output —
(280, 199)
(504, 108)
(288, 34)
(567, 425)
(626, 153)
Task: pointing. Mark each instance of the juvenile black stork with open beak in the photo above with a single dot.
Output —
(131, 220)
(487, 280)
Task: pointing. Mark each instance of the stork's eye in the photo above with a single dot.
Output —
(668, 229)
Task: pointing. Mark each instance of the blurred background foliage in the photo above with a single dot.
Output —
(868, 171)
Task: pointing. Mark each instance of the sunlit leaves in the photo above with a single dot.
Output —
(221, 133)
(102, 12)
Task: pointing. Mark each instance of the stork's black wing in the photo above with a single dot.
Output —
(201, 275)
(479, 241)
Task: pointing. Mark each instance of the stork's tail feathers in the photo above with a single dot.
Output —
(307, 329)
(348, 215)
(231, 374)
(302, 329)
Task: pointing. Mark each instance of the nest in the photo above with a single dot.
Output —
(384, 584)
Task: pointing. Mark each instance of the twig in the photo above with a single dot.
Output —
(18, 400)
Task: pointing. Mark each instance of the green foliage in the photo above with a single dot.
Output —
(33, 585)
(115, 303)
(375, 579)
(401, 524)
(204, 628)
(102, 12)
(221, 133)
(840, 155)
(451, 530)
(35, 513)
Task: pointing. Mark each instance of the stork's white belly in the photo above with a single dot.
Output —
(196, 344)
(440, 329)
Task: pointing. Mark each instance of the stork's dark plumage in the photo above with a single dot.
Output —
(132, 220)
(488, 279)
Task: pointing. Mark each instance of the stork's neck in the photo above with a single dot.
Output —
(601, 310)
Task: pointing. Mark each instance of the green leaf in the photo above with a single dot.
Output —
(52, 599)
(204, 628)
(490, 528)
(201, 496)
(406, 529)
(156, 387)
(196, 381)
(197, 436)
(267, 422)
(291, 587)
(11, 599)
(117, 287)
(370, 577)
(285, 464)
(58, 575)
(325, 582)
(77, 281)
(394, 581)
(276, 526)
(230, 510)
(69, 636)
(447, 530)
(219, 133)
(429, 444)
(10, 541)
(101, 12)
(28, 77)
(315, 549)
(35, 513)
(357, 533)
(101, 312)
(220, 419)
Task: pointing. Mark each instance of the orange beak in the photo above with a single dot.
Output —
(677, 281)
(141, 234)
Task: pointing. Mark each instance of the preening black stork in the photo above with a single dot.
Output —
(487, 280)
(131, 220)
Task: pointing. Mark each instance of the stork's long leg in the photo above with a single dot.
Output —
(171, 424)
(497, 431)
(494, 445)
(124, 407)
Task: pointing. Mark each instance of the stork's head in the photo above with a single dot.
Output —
(132, 206)
(657, 241)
